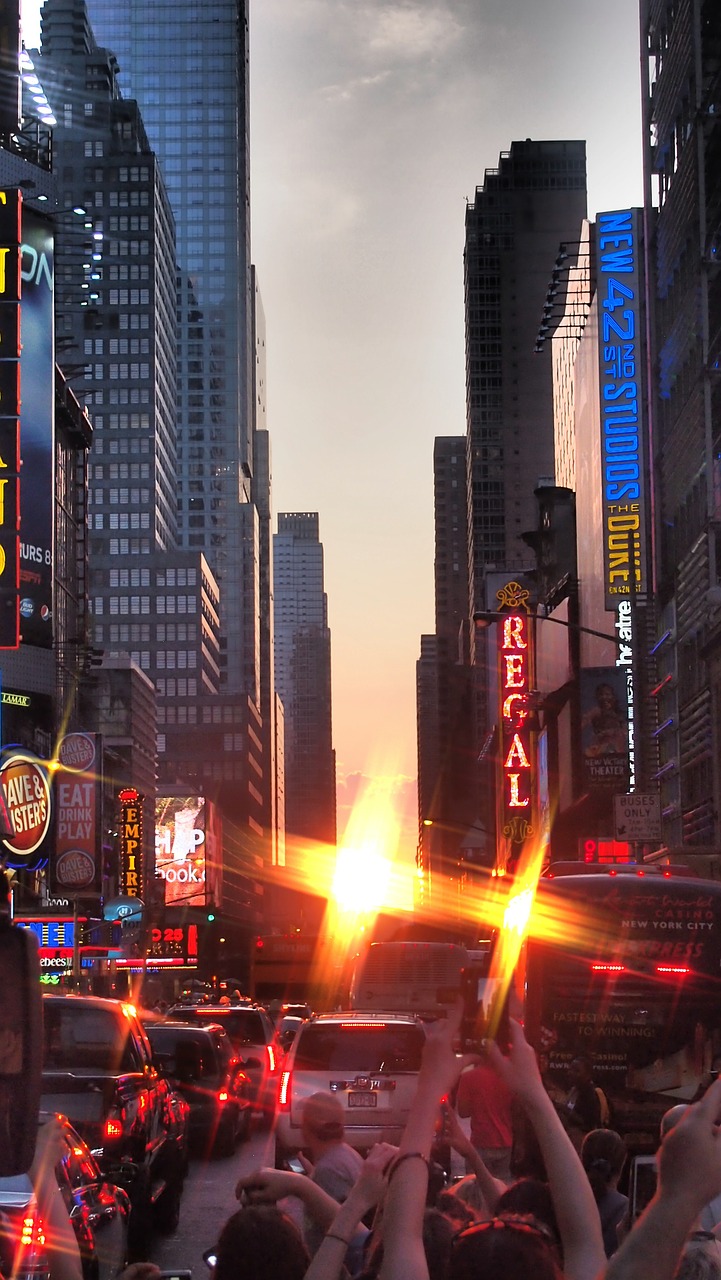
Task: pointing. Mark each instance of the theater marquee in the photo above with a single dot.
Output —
(516, 773)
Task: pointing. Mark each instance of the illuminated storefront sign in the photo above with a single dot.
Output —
(26, 790)
(131, 843)
(55, 938)
(174, 946)
(37, 426)
(624, 662)
(10, 238)
(516, 799)
(621, 388)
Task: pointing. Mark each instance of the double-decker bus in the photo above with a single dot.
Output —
(623, 965)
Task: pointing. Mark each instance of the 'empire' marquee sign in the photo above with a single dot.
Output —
(131, 843)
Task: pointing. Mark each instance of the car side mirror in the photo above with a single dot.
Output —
(21, 1042)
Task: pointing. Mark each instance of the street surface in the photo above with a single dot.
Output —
(208, 1200)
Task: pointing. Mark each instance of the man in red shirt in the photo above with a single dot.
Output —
(484, 1097)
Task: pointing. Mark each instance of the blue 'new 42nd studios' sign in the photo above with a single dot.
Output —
(620, 345)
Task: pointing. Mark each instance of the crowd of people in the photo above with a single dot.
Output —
(391, 1216)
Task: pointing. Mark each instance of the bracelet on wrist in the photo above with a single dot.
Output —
(407, 1155)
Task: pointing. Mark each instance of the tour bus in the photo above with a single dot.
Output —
(623, 965)
(409, 977)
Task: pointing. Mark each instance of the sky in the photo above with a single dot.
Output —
(372, 122)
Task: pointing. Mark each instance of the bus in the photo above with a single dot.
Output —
(409, 977)
(623, 966)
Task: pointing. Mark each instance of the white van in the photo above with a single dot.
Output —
(369, 1061)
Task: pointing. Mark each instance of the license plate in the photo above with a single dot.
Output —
(362, 1100)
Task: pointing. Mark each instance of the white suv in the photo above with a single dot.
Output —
(369, 1061)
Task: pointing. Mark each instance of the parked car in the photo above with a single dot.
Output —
(99, 1212)
(200, 1063)
(369, 1061)
(98, 1070)
(253, 1036)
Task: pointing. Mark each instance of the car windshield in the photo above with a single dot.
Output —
(190, 1056)
(362, 1049)
(82, 1039)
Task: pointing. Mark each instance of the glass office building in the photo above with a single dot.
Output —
(186, 64)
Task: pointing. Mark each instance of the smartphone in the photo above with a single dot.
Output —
(176, 1275)
(485, 1012)
(295, 1164)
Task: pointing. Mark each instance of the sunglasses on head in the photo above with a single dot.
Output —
(537, 1229)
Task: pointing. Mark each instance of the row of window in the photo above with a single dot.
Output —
(116, 346)
(120, 520)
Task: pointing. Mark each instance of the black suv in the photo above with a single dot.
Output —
(253, 1036)
(98, 1070)
(201, 1065)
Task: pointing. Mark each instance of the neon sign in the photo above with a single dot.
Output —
(620, 364)
(10, 286)
(515, 791)
(131, 842)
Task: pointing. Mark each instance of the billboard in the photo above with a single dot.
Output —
(26, 792)
(188, 850)
(604, 728)
(10, 287)
(37, 372)
(76, 866)
(620, 338)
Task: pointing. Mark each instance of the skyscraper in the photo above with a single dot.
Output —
(682, 163)
(303, 677)
(532, 201)
(187, 66)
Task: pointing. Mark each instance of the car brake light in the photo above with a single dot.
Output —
(112, 1129)
(272, 1064)
(608, 968)
(672, 968)
(30, 1255)
(223, 1095)
(284, 1091)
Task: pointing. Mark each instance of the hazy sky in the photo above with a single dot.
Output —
(372, 122)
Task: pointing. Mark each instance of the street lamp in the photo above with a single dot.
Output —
(486, 617)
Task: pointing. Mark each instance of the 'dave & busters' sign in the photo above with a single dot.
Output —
(26, 793)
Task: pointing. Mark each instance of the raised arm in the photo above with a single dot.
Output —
(366, 1192)
(267, 1186)
(490, 1188)
(577, 1214)
(689, 1177)
(403, 1253)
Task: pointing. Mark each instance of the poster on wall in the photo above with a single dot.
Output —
(604, 728)
(76, 863)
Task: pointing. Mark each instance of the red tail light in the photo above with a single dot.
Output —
(284, 1091)
(672, 968)
(30, 1254)
(223, 1095)
(608, 968)
(112, 1129)
(272, 1064)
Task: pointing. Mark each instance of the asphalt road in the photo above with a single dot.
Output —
(208, 1200)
